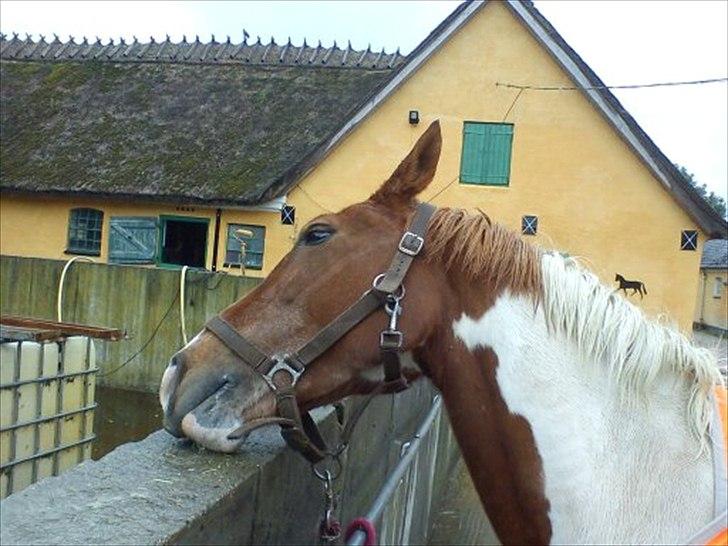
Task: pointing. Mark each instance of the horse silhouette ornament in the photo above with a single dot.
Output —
(635, 286)
(581, 422)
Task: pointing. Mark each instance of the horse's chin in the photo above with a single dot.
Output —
(213, 438)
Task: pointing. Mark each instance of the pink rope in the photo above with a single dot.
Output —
(363, 524)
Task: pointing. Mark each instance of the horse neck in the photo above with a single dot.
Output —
(555, 452)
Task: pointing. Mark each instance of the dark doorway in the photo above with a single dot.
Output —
(183, 241)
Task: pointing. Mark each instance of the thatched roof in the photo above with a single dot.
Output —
(192, 122)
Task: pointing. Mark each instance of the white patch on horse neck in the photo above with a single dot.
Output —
(613, 472)
(375, 374)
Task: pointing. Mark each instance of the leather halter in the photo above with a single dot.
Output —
(281, 373)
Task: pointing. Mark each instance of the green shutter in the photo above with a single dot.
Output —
(486, 157)
(132, 240)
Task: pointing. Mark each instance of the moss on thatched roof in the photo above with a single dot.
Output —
(217, 133)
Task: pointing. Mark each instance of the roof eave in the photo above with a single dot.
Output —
(628, 129)
(365, 108)
(149, 198)
(700, 212)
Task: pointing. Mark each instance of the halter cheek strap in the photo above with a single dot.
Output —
(282, 373)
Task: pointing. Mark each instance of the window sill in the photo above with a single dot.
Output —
(81, 252)
(485, 184)
(180, 266)
(237, 266)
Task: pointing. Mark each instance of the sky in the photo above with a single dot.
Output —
(624, 43)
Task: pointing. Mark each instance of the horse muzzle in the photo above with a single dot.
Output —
(205, 407)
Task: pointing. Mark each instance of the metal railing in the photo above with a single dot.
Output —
(408, 453)
(47, 416)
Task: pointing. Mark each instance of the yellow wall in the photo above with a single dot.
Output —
(711, 308)
(38, 226)
(593, 196)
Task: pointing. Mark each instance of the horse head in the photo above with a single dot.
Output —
(207, 391)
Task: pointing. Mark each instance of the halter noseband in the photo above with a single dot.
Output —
(299, 430)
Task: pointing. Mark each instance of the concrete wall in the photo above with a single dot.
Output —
(162, 490)
(136, 299)
(711, 308)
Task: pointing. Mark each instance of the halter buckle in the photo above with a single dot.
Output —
(391, 340)
(411, 243)
(284, 365)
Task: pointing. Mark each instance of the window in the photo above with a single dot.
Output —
(529, 225)
(486, 156)
(84, 232)
(718, 287)
(288, 215)
(132, 240)
(689, 240)
(254, 246)
(183, 241)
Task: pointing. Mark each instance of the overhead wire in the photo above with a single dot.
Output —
(596, 87)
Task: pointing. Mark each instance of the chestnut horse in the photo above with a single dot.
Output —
(580, 420)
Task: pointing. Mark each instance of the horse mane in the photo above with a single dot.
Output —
(607, 328)
(603, 325)
(484, 251)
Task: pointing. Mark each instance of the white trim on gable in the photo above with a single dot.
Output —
(409, 68)
(562, 57)
(580, 78)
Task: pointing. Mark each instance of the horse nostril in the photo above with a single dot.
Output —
(230, 380)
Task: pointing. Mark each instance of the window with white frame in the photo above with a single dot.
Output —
(239, 234)
(718, 287)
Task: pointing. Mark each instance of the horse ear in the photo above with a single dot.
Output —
(415, 172)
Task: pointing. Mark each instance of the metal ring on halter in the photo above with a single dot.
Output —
(397, 295)
(327, 475)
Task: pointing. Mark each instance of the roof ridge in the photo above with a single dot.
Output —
(196, 52)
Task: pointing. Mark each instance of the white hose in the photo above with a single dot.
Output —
(59, 305)
(182, 277)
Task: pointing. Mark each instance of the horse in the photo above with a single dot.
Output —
(635, 286)
(580, 420)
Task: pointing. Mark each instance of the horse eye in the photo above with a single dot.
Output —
(317, 234)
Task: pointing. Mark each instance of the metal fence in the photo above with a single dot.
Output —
(407, 492)
(46, 408)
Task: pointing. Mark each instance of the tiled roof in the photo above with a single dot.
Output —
(196, 51)
(715, 254)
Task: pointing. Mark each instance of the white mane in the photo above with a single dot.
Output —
(606, 327)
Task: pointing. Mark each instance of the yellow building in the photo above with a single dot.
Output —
(711, 309)
(173, 154)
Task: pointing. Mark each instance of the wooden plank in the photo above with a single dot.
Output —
(13, 333)
(66, 328)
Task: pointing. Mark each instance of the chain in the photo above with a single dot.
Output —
(330, 527)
